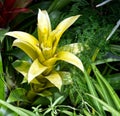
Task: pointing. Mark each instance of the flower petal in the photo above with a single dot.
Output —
(35, 70)
(29, 40)
(24, 37)
(27, 48)
(62, 27)
(55, 79)
(47, 46)
(70, 58)
(44, 26)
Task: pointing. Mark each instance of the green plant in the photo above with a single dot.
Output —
(109, 98)
(91, 92)
(44, 54)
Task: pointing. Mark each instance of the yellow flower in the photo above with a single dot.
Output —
(43, 51)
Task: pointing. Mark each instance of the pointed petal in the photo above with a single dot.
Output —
(44, 26)
(29, 40)
(62, 27)
(27, 48)
(65, 24)
(24, 37)
(55, 79)
(70, 58)
(35, 70)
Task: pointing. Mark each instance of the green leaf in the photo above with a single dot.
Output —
(30, 113)
(35, 70)
(2, 34)
(7, 112)
(66, 77)
(2, 84)
(13, 108)
(107, 106)
(22, 66)
(68, 113)
(58, 5)
(110, 95)
(114, 80)
(45, 93)
(19, 54)
(93, 92)
(74, 48)
(19, 94)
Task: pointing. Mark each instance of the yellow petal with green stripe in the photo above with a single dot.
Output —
(62, 27)
(55, 79)
(44, 25)
(70, 58)
(31, 41)
(47, 46)
(35, 70)
(24, 37)
(27, 48)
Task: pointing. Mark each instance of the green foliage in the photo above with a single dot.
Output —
(2, 81)
(92, 93)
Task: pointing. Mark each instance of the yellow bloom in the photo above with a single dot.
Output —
(43, 51)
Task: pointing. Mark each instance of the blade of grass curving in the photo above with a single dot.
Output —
(27, 112)
(13, 108)
(98, 88)
(108, 107)
(106, 96)
(110, 95)
(86, 113)
(92, 90)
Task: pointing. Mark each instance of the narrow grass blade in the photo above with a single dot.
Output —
(110, 95)
(13, 108)
(108, 107)
(93, 92)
